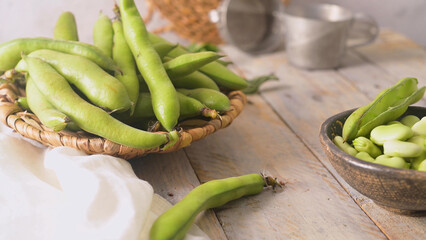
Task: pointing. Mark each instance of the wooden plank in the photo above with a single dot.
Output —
(369, 78)
(363, 75)
(172, 177)
(304, 99)
(312, 205)
(397, 55)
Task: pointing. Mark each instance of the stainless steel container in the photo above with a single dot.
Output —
(318, 35)
(250, 25)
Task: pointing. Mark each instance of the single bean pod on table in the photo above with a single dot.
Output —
(175, 222)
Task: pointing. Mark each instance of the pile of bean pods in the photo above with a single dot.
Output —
(372, 132)
(115, 88)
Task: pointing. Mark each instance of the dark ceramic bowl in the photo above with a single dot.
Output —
(403, 190)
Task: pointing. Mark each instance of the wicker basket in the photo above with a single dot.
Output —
(28, 125)
(189, 18)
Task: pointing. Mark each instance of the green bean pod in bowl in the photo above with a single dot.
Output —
(402, 190)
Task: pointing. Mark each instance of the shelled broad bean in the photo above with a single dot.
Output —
(394, 145)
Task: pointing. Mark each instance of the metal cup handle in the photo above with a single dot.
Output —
(363, 31)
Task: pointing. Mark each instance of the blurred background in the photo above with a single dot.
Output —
(30, 18)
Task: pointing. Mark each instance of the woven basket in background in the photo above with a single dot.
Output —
(189, 18)
(28, 125)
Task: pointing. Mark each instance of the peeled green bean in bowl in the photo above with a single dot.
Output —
(398, 189)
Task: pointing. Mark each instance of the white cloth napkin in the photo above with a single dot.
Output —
(62, 193)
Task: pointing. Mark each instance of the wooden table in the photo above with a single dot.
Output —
(278, 132)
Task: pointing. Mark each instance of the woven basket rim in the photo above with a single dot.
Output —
(28, 125)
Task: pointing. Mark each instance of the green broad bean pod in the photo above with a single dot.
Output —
(344, 146)
(202, 47)
(88, 117)
(223, 76)
(73, 127)
(211, 98)
(97, 85)
(409, 120)
(143, 87)
(163, 49)
(191, 81)
(189, 107)
(123, 56)
(380, 134)
(396, 162)
(194, 80)
(393, 111)
(175, 222)
(390, 104)
(393, 122)
(216, 71)
(43, 109)
(66, 27)
(103, 34)
(164, 97)
(188, 63)
(363, 144)
(143, 108)
(10, 52)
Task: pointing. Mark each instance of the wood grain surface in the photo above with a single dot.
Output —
(278, 132)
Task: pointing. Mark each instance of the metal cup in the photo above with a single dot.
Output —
(250, 25)
(318, 35)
